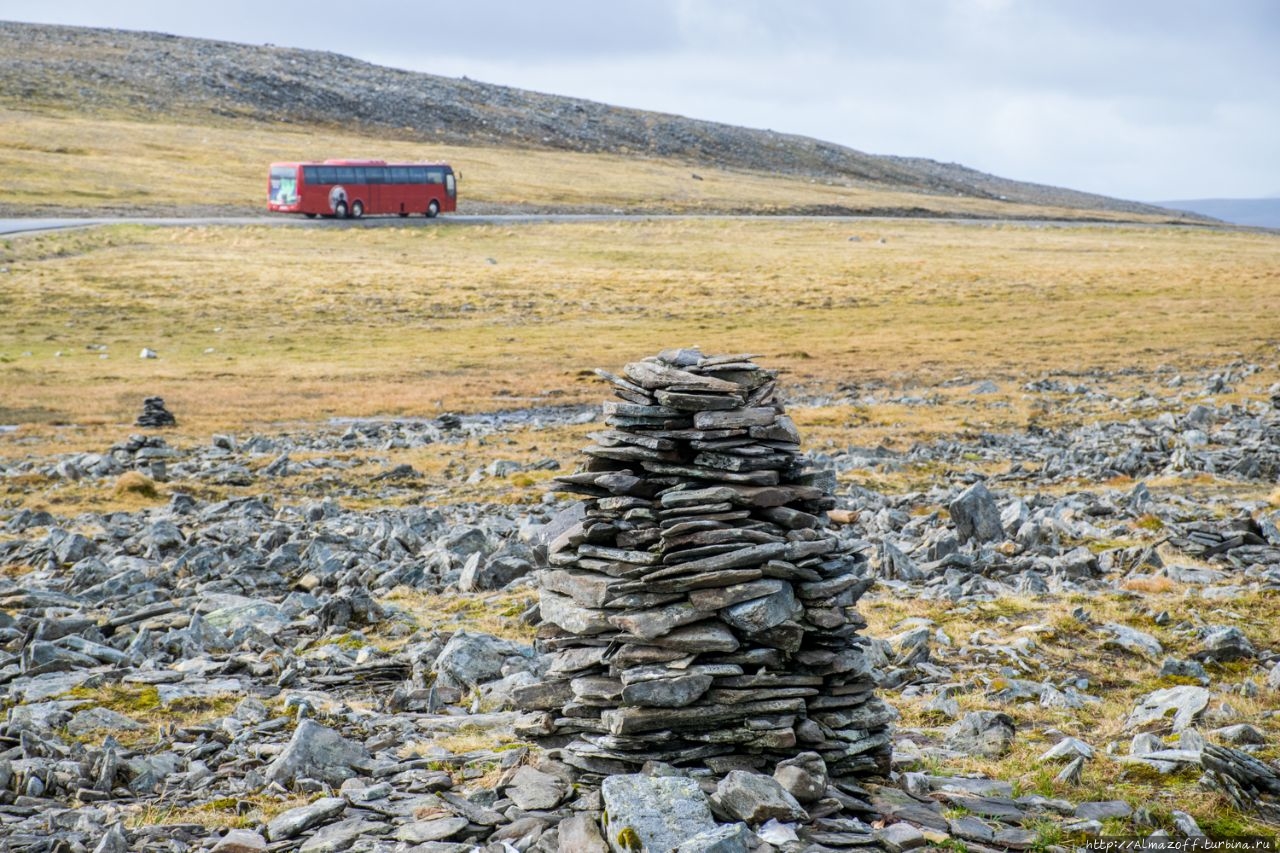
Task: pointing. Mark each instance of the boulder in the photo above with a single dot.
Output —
(469, 659)
(1173, 706)
(976, 515)
(318, 752)
(1132, 640)
(241, 841)
(1225, 643)
(755, 799)
(987, 734)
(653, 812)
(533, 790)
(580, 834)
(479, 573)
(294, 822)
(803, 777)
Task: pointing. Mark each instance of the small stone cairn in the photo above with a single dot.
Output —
(697, 611)
(154, 414)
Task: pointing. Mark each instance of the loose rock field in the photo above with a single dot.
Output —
(278, 641)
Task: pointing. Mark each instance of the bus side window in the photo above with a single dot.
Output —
(358, 173)
(399, 175)
(417, 174)
(346, 175)
(374, 174)
(435, 176)
(309, 175)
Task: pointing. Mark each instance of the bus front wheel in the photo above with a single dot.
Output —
(357, 209)
(433, 209)
(340, 210)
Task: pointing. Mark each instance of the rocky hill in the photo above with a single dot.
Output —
(109, 71)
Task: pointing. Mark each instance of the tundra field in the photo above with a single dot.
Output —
(255, 325)
(1049, 422)
(381, 399)
(891, 336)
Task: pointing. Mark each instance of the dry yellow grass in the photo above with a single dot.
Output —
(224, 813)
(133, 484)
(1148, 583)
(55, 159)
(259, 325)
(467, 739)
(496, 613)
(1065, 648)
(142, 705)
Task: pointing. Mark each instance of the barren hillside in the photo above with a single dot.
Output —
(114, 72)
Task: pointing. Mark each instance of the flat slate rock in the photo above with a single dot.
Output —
(1174, 707)
(653, 812)
(437, 829)
(1103, 810)
(294, 822)
(736, 419)
(674, 692)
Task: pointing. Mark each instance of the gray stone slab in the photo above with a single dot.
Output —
(653, 812)
(755, 799)
(1176, 707)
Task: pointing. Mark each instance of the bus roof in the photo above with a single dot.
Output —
(360, 163)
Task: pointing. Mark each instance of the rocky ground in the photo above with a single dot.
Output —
(1075, 624)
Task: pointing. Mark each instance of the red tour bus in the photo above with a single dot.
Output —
(352, 188)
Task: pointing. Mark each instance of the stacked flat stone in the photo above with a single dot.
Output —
(698, 612)
(154, 414)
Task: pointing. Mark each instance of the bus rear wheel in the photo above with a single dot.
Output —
(357, 209)
(340, 210)
(433, 209)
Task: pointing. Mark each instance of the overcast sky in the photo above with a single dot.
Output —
(1140, 99)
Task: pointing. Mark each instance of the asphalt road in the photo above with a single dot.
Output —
(24, 225)
(33, 225)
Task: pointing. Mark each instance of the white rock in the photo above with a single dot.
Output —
(241, 841)
(1068, 748)
(776, 833)
(1183, 703)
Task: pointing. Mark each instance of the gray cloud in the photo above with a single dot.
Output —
(1139, 99)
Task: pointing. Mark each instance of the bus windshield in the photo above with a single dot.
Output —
(284, 185)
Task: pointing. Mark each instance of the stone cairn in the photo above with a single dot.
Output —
(154, 414)
(697, 611)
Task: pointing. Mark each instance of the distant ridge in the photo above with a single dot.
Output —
(110, 71)
(1258, 212)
